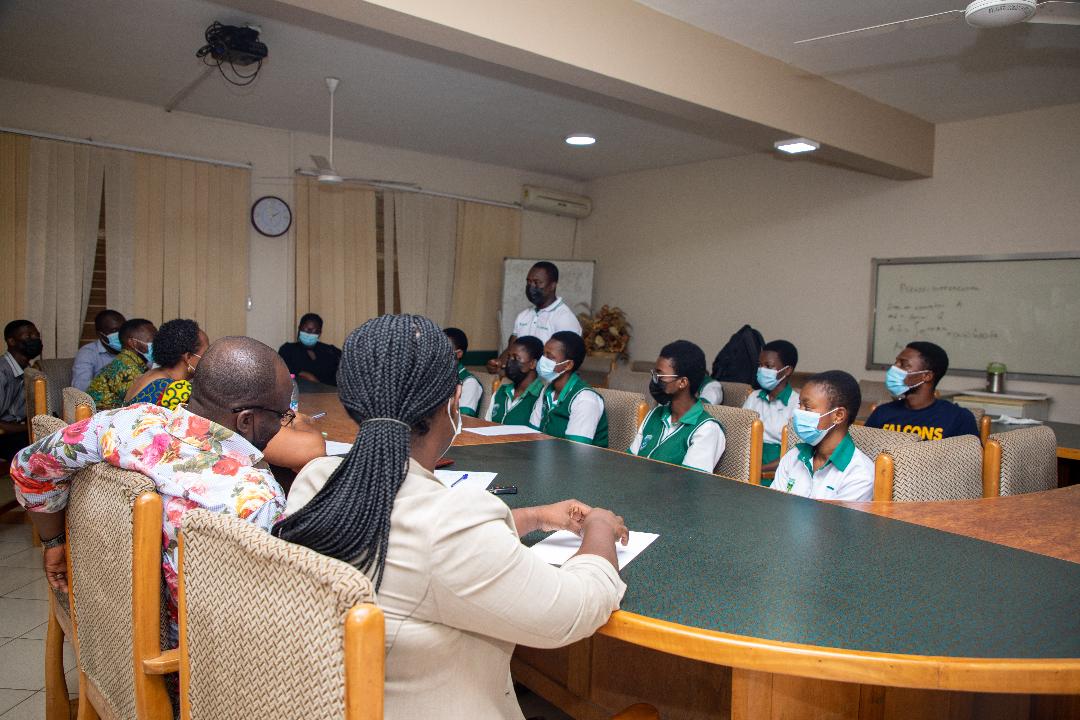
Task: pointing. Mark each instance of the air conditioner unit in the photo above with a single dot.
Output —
(555, 202)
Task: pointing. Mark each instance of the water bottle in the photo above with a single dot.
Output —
(294, 399)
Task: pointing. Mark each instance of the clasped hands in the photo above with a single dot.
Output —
(578, 518)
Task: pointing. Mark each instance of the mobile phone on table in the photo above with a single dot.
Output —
(503, 490)
(443, 462)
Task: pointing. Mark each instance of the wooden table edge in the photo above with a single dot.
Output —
(994, 675)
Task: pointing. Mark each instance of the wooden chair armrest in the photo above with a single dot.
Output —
(165, 663)
(641, 711)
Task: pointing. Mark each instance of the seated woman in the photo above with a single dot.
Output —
(307, 358)
(457, 588)
(568, 407)
(826, 465)
(513, 401)
(678, 430)
(178, 347)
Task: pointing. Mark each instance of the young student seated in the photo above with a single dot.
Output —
(918, 369)
(826, 465)
(711, 391)
(678, 430)
(514, 400)
(776, 401)
(568, 407)
(471, 389)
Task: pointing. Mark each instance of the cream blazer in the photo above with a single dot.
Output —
(459, 591)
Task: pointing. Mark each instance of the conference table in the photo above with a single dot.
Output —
(756, 604)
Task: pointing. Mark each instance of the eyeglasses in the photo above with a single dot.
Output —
(656, 377)
(285, 418)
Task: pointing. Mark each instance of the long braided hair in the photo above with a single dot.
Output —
(395, 372)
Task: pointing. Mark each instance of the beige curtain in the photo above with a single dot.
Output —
(177, 241)
(14, 185)
(485, 235)
(63, 210)
(336, 263)
(425, 229)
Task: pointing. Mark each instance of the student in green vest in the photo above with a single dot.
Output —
(775, 403)
(471, 389)
(678, 430)
(513, 401)
(568, 407)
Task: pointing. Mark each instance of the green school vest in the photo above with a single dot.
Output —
(673, 448)
(555, 417)
(520, 413)
(462, 376)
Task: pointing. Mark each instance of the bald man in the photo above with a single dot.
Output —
(205, 455)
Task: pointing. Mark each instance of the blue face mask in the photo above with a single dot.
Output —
(806, 425)
(149, 354)
(545, 368)
(112, 341)
(894, 381)
(767, 377)
(308, 339)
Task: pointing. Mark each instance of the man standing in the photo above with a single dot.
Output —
(111, 384)
(206, 455)
(93, 357)
(23, 345)
(548, 315)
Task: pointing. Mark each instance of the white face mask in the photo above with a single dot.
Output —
(454, 424)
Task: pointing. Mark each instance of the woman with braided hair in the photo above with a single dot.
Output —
(457, 587)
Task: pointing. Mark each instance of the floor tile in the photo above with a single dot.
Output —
(33, 708)
(22, 664)
(13, 546)
(37, 633)
(16, 532)
(37, 589)
(28, 558)
(18, 616)
(15, 578)
(72, 677)
(11, 698)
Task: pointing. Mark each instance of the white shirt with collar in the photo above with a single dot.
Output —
(89, 361)
(712, 392)
(542, 324)
(848, 474)
(775, 414)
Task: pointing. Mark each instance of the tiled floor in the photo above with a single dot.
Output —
(23, 613)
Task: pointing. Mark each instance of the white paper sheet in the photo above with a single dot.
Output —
(560, 546)
(1009, 420)
(498, 430)
(453, 478)
(337, 448)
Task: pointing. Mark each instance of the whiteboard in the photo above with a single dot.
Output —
(1022, 310)
(575, 288)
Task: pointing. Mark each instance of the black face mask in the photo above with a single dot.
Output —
(535, 295)
(514, 371)
(661, 396)
(31, 347)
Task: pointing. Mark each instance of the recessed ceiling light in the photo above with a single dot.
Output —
(796, 145)
(580, 139)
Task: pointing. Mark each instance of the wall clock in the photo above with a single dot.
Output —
(271, 216)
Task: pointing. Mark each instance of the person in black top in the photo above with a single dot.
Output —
(308, 358)
(913, 379)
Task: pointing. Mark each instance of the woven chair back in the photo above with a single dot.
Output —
(262, 623)
(1028, 460)
(739, 445)
(623, 415)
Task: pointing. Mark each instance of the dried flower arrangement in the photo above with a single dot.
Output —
(606, 331)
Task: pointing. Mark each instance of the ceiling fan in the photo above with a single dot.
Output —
(324, 170)
(978, 14)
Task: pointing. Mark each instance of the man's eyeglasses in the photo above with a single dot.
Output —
(285, 418)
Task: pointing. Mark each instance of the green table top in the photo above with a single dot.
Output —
(750, 561)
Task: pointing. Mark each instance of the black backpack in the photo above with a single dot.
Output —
(738, 360)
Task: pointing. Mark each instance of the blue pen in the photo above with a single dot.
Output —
(463, 477)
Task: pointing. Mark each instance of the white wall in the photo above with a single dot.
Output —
(276, 153)
(697, 250)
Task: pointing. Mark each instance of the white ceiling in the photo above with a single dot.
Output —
(940, 73)
(392, 93)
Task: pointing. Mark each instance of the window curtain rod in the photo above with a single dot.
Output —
(128, 148)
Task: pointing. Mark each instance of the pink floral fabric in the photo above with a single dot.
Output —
(193, 462)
